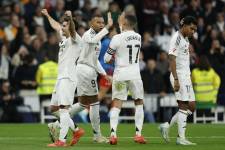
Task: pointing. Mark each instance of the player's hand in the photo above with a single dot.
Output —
(110, 21)
(176, 85)
(108, 78)
(68, 13)
(44, 12)
(121, 19)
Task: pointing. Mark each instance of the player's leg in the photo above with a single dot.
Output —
(164, 127)
(93, 102)
(65, 94)
(87, 90)
(76, 108)
(137, 92)
(119, 93)
(114, 116)
(53, 127)
(182, 118)
(188, 96)
(77, 132)
(104, 87)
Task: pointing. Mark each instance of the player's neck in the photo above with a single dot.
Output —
(182, 33)
(128, 29)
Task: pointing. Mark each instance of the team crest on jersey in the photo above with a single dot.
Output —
(119, 86)
(186, 49)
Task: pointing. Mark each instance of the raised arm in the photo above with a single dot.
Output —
(72, 24)
(113, 46)
(102, 33)
(54, 24)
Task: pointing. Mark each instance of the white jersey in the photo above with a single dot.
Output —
(68, 55)
(91, 49)
(179, 47)
(126, 46)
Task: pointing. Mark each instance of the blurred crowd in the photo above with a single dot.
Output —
(26, 37)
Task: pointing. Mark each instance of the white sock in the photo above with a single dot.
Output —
(76, 108)
(139, 119)
(114, 116)
(173, 120)
(65, 123)
(95, 118)
(182, 122)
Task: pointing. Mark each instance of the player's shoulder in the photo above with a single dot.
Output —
(88, 33)
(116, 38)
(176, 38)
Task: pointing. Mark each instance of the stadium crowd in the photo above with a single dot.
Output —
(26, 39)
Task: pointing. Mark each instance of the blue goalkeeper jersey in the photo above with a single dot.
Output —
(105, 45)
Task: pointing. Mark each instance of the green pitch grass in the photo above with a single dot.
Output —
(35, 137)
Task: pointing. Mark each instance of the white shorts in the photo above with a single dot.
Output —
(186, 92)
(86, 81)
(63, 93)
(120, 89)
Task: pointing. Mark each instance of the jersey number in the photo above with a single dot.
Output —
(130, 47)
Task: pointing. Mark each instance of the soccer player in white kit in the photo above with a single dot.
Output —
(88, 68)
(125, 49)
(180, 79)
(63, 94)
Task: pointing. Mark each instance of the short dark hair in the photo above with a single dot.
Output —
(96, 15)
(188, 20)
(132, 20)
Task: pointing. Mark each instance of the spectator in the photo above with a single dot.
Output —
(194, 9)
(206, 82)
(162, 63)
(4, 63)
(177, 6)
(216, 55)
(51, 46)
(12, 29)
(220, 25)
(9, 102)
(149, 48)
(142, 63)
(18, 57)
(38, 19)
(152, 79)
(174, 20)
(46, 77)
(36, 50)
(163, 40)
(209, 12)
(115, 11)
(25, 74)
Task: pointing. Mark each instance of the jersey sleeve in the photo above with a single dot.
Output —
(100, 69)
(77, 38)
(95, 39)
(113, 46)
(174, 45)
(61, 34)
